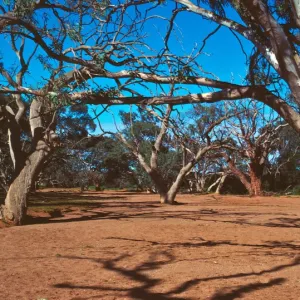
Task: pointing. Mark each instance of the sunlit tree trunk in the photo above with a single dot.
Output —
(173, 190)
(221, 183)
(15, 207)
(255, 172)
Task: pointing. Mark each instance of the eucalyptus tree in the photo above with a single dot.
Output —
(209, 172)
(283, 168)
(146, 137)
(96, 52)
(272, 28)
(174, 136)
(60, 53)
(255, 135)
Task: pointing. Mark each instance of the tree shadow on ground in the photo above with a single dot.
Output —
(125, 210)
(59, 204)
(204, 243)
(88, 210)
(58, 196)
(144, 291)
(275, 222)
(242, 290)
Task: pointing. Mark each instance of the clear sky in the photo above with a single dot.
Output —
(222, 55)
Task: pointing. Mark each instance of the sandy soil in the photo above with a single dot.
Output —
(112, 245)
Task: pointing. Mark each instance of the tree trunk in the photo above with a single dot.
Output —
(214, 184)
(14, 210)
(255, 173)
(169, 197)
(246, 184)
(221, 183)
(199, 187)
(240, 175)
(160, 185)
(200, 183)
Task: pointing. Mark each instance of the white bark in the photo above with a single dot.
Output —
(221, 183)
(214, 184)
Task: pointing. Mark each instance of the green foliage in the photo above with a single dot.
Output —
(142, 128)
(296, 190)
(106, 92)
(24, 8)
(217, 5)
(75, 123)
(110, 159)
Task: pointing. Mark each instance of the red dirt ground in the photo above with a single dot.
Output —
(112, 245)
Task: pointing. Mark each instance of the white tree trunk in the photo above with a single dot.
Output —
(221, 183)
(214, 184)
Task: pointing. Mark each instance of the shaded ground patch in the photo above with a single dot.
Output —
(131, 247)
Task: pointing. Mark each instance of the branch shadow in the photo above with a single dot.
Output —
(204, 243)
(90, 211)
(143, 291)
(91, 205)
(157, 261)
(57, 197)
(241, 290)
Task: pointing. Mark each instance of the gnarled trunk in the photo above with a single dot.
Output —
(255, 173)
(15, 207)
(170, 196)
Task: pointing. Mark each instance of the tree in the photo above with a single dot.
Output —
(272, 27)
(255, 135)
(207, 170)
(98, 40)
(145, 136)
(209, 138)
(71, 43)
(283, 167)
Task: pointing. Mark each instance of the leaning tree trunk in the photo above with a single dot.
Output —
(167, 196)
(14, 210)
(221, 183)
(170, 195)
(240, 175)
(216, 183)
(173, 190)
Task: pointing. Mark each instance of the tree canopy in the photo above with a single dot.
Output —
(60, 53)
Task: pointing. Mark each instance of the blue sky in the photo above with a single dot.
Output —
(222, 54)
